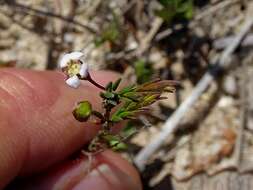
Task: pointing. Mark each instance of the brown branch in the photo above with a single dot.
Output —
(26, 9)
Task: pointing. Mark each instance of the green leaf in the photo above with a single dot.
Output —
(107, 95)
(116, 84)
(128, 130)
(112, 102)
(137, 98)
(83, 111)
(175, 9)
(120, 147)
(132, 106)
(165, 14)
(98, 41)
(111, 140)
(109, 86)
(143, 71)
(115, 118)
(150, 98)
(114, 142)
(157, 86)
(127, 89)
(111, 33)
(165, 3)
(125, 114)
(134, 96)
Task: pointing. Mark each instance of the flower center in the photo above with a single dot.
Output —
(73, 68)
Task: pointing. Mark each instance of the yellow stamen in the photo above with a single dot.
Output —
(73, 68)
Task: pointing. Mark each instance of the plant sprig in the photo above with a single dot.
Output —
(118, 104)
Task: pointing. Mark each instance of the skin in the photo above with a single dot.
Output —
(38, 134)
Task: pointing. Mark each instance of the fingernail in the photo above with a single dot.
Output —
(106, 177)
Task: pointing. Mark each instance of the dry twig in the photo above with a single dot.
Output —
(29, 10)
(144, 45)
(240, 136)
(215, 8)
(146, 42)
(224, 42)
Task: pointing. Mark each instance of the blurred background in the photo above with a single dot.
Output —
(204, 131)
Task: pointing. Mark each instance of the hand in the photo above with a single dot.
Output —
(38, 133)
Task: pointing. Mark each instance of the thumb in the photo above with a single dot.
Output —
(37, 128)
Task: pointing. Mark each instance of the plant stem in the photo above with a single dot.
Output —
(88, 78)
(98, 115)
(107, 119)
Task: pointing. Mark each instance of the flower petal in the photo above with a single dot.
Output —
(76, 55)
(64, 61)
(73, 82)
(84, 70)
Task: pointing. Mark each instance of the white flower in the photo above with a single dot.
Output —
(74, 67)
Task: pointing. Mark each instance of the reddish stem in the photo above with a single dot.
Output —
(88, 78)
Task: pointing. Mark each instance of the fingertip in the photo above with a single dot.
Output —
(107, 177)
(113, 159)
(108, 171)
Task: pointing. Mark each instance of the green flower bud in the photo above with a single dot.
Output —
(83, 111)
